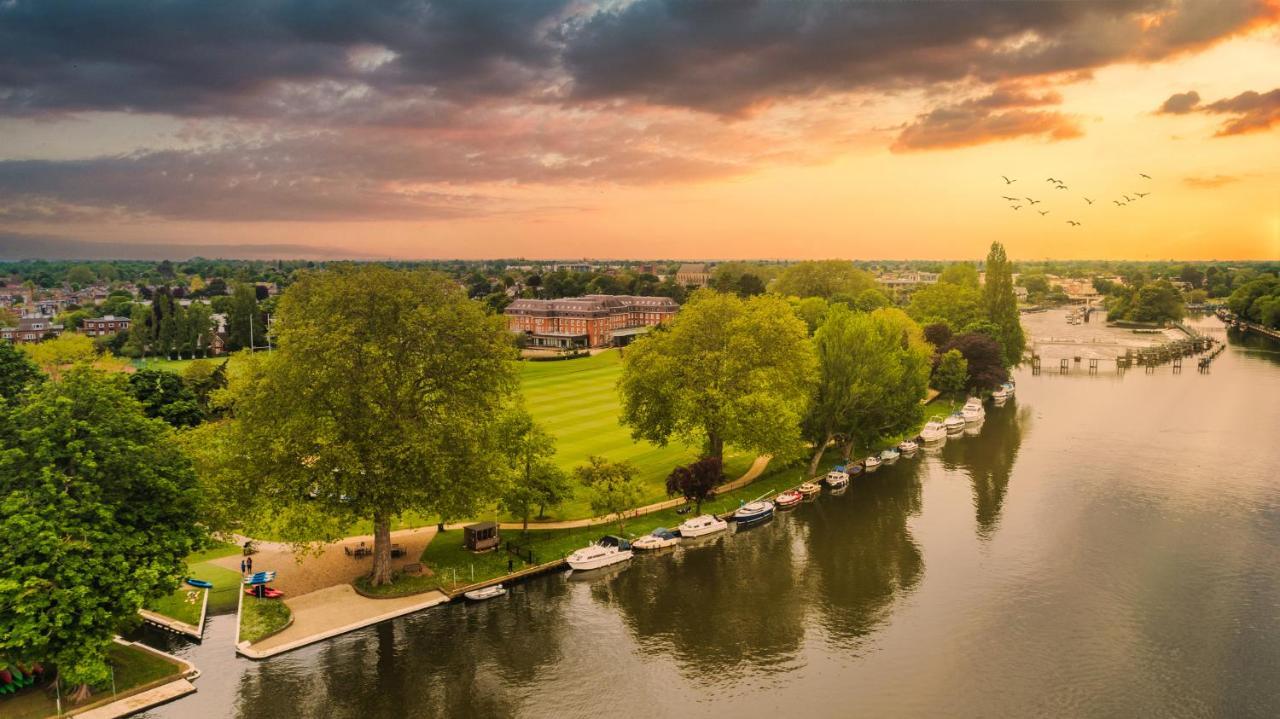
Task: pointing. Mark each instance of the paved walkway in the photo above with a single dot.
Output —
(333, 611)
(138, 702)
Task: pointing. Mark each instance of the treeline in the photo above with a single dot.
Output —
(1258, 301)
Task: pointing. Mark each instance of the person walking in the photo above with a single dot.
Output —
(242, 566)
(248, 563)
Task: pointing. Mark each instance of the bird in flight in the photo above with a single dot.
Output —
(1127, 198)
(1119, 203)
(1034, 202)
(1007, 181)
(1010, 199)
(1142, 194)
(1050, 179)
(1144, 175)
(1073, 223)
(1016, 207)
(1043, 212)
(1062, 187)
(1088, 201)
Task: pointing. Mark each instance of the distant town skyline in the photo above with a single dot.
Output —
(552, 129)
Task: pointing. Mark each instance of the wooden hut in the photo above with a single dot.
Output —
(480, 537)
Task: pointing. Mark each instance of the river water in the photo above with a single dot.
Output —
(1106, 546)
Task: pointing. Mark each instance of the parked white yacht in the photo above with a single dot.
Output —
(702, 525)
(907, 447)
(934, 430)
(837, 478)
(871, 463)
(889, 456)
(609, 550)
(954, 423)
(973, 411)
(659, 538)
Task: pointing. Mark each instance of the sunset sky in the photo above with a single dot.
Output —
(640, 128)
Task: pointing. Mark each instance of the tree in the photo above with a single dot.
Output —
(97, 512)
(163, 395)
(869, 301)
(813, 310)
(81, 275)
(383, 396)
(1192, 275)
(984, 358)
(612, 486)
(203, 378)
(244, 323)
(749, 285)
(725, 370)
(17, 372)
(535, 481)
(955, 305)
(951, 373)
(1002, 306)
(140, 329)
(960, 273)
(938, 334)
(55, 354)
(824, 278)
(696, 482)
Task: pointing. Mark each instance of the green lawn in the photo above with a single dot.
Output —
(226, 582)
(260, 618)
(132, 668)
(577, 401)
(175, 366)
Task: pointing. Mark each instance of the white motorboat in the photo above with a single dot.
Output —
(907, 447)
(609, 550)
(809, 489)
(889, 456)
(973, 411)
(1010, 386)
(659, 538)
(483, 593)
(973, 429)
(954, 423)
(837, 478)
(871, 463)
(934, 430)
(1000, 394)
(702, 525)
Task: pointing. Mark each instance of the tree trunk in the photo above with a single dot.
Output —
(526, 523)
(715, 445)
(381, 573)
(80, 694)
(542, 511)
(817, 456)
(847, 449)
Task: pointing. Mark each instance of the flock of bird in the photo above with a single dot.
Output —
(1017, 203)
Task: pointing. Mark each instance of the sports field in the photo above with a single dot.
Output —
(577, 401)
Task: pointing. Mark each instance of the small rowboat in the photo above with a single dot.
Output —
(483, 593)
(199, 583)
(809, 489)
(787, 499)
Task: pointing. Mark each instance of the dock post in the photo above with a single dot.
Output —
(1064, 366)
(1093, 365)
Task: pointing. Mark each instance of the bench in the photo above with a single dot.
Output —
(415, 568)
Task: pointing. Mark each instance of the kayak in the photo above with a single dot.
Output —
(260, 578)
(199, 583)
(267, 592)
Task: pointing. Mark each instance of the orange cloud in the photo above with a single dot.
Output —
(992, 118)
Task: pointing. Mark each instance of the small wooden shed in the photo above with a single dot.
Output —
(480, 537)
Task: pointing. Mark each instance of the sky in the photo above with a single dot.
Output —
(771, 129)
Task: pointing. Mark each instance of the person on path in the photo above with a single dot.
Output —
(248, 563)
(242, 566)
(510, 565)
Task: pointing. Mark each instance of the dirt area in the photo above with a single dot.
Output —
(301, 574)
(1052, 337)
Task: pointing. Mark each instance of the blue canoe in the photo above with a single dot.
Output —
(260, 578)
(199, 583)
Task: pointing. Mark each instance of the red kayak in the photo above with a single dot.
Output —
(267, 592)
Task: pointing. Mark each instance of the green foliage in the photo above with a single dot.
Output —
(244, 322)
(1157, 301)
(97, 512)
(1258, 301)
(81, 275)
(612, 486)
(958, 306)
(813, 310)
(960, 273)
(260, 618)
(725, 370)
(951, 374)
(984, 359)
(825, 278)
(1002, 306)
(382, 397)
(534, 480)
(696, 482)
(164, 395)
(17, 372)
(67, 349)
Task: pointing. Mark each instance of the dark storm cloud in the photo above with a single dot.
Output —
(1251, 111)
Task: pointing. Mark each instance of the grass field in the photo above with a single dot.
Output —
(222, 597)
(577, 401)
(260, 618)
(131, 668)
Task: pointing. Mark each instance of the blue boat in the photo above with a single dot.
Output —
(199, 583)
(260, 578)
(753, 512)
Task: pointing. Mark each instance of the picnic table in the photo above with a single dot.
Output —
(364, 550)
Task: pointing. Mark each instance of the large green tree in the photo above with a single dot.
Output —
(956, 305)
(823, 278)
(612, 487)
(1002, 305)
(244, 321)
(17, 371)
(534, 481)
(725, 370)
(97, 512)
(384, 395)
(960, 273)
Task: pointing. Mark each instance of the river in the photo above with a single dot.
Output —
(1107, 546)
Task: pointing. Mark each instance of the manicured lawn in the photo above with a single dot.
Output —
(260, 618)
(175, 366)
(226, 582)
(183, 604)
(577, 401)
(132, 668)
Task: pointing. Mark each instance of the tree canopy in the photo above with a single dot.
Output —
(612, 486)
(983, 359)
(17, 371)
(165, 396)
(98, 511)
(383, 395)
(957, 306)
(1258, 300)
(534, 481)
(725, 370)
(824, 278)
(696, 482)
(960, 273)
(1002, 305)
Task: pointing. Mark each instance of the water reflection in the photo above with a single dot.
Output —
(988, 459)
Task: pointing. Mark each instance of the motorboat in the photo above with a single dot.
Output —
(871, 463)
(752, 512)
(837, 478)
(702, 525)
(889, 456)
(908, 447)
(788, 499)
(854, 470)
(1010, 386)
(809, 489)
(973, 411)
(483, 593)
(973, 429)
(1000, 394)
(659, 538)
(934, 430)
(609, 550)
(954, 423)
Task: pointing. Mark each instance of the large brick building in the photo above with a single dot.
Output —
(590, 321)
(103, 326)
(31, 329)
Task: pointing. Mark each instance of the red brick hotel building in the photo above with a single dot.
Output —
(590, 321)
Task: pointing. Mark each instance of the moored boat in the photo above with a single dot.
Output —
(889, 456)
(871, 463)
(483, 593)
(837, 478)
(752, 512)
(659, 538)
(809, 489)
(787, 499)
(609, 550)
(908, 447)
(702, 525)
(199, 583)
(934, 430)
(973, 411)
(954, 423)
